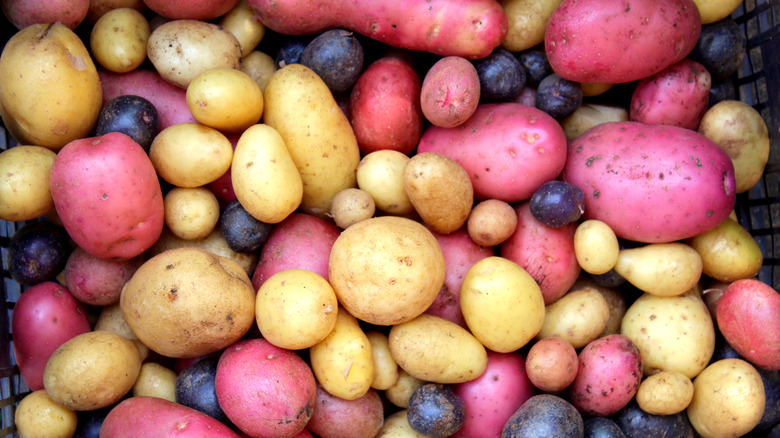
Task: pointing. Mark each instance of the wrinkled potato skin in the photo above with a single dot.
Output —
(24, 182)
(665, 393)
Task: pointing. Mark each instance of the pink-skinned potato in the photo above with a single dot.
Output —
(22, 13)
(616, 42)
(153, 416)
(107, 195)
(191, 9)
(508, 149)
(96, 281)
(748, 316)
(651, 183)
(471, 28)
(335, 417)
(45, 316)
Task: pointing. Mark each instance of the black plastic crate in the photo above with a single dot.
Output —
(757, 83)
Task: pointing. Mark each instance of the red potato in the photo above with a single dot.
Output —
(615, 42)
(96, 281)
(384, 107)
(191, 9)
(45, 316)
(22, 13)
(335, 417)
(300, 241)
(544, 252)
(267, 391)
(676, 96)
(651, 183)
(493, 397)
(509, 150)
(115, 208)
(748, 315)
(450, 92)
(153, 416)
(460, 254)
(471, 28)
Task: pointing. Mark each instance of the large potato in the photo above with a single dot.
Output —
(48, 106)
(188, 302)
(24, 182)
(386, 270)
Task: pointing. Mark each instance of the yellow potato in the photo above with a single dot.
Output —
(111, 320)
(265, 179)
(578, 317)
(527, 21)
(260, 66)
(663, 269)
(615, 300)
(295, 309)
(440, 191)
(118, 40)
(155, 380)
(715, 10)
(403, 387)
(318, 135)
(491, 222)
(589, 115)
(436, 350)
(665, 393)
(351, 206)
(214, 243)
(396, 425)
(386, 270)
(594, 89)
(380, 173)
(595, 246)
(24, 183)
(342, 362)
(242, 23)
(672, 333)
(225, 99)
(502, 304)
(49, 106)
(728, 399)
(191, 213)
(38, 416)
(92, 370)
(728, 252)
(190, 154)
(385, 368)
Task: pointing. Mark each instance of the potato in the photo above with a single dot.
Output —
(351, 206)
(436, 350)
(673, 333)
(715, 10)
(225, 99)
(386, 270)
(191, 213)
(397, 426)
(527, 21)
(188, 302)
(181, 49)
(440, 191)
(544, 415)
(98, 8)
(335, 417)
(92, 370)
(399, 393)
(614, 298)
(240, 21)
(191, 9)
(95, 281)
(665, 393)
(450, 92)
(50, 106)
(155, 380)
(190, 154)
(24, 182)
(663, 269)
(380, 173)
(589, 115)
(37, 415)
(595, 246)
(111, 320)
(552, 364)
(385, 368)
(502, 304)
(342, 362)
(118, 40)
(260, 66)
(578, 317)
(728, 252)
(295, 309)
(318, 135)
(728, 399)
(23, 13)
(491, 222)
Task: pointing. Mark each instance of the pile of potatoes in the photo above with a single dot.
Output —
(395, 209)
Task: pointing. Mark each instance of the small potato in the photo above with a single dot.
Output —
(38, 416)
(260, 66)
(527, 20)
(491, 222)
(578, 317)
(191, 213)
(595, 246)
(24, 182)
(225, 99)
(614, 298)
(440, 191)
(450, 92)
(728, 252)
(399, 393)
(242, 23)
(397, 426)
(351, 206)
(190, 154)
(296, 309)
(552, 364)
(663, 269)
(385, 368)
(665, 393)
(155, 380)
(380, 173)
(118, 40)
(590, 89)
(437, 350)
(728, 399)
(111, 320)
(715, 10)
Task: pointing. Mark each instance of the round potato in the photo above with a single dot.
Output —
(190, 154)
(296, 309)
(191, 213)
(155, 380)
(188, 302)
(351, 206)
(728, 252)
(24, 182)
(665, 393)
(260, 66)
(118, 40)
(225, 99)
(37, 415)
(385, 368)
(595, 246)
(380, 173)
(92, 370)
(386, 270)
(449, 94)
(578, 317)
(491, 222)
(552, 364)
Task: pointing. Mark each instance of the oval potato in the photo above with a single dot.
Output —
(225, 99)
(385, 368)
(190, 154)
(37, 415)
(118, 39)
(596, 246)
(578, 317)
(24, 182)
(728, 252)
(663, 269)
(527, 21)
(665, 393)
(380, 173)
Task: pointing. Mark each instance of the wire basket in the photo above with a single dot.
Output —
(758, 210)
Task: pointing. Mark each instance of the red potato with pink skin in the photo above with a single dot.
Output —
(651, 183)
(45, 316)
(616, 42)
(471, 28)
(748, 315)
(22, 13)
(191, 9)
(96, 281)
(114, 209)
(509, 150)
(677, 96)
(335, 417)
(222, 187)
(450, 92)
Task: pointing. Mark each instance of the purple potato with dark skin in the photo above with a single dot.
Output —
(435, 410)
(721, 48)
(501, 76)
(337, 57)
(37, 252)
(132, 115)
(544, 415)
(557, 203)
(536, 65)
(195, 388)
(558, 97)
(635, 423)
(242, 231)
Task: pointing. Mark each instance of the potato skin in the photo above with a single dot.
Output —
(195, 10)
(335, 417)
(665, 393)
(24, 183)
(450, 92)
(23, 13)
(37, 415)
